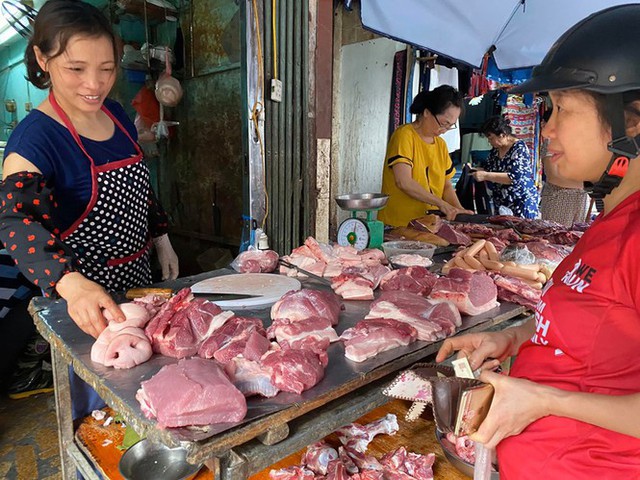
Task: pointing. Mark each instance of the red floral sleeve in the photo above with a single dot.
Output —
(158, 220)
(28, 233)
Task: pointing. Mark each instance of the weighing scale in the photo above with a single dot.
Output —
(358, 232)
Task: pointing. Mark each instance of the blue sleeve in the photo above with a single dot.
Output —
(31, 140)
(518, 167)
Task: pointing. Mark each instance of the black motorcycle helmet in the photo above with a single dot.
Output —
(602, 54)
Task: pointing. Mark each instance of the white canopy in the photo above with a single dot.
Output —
(522, 30)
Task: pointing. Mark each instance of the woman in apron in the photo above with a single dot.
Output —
(77, 211)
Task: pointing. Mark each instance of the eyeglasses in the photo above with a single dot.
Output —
(443, 125)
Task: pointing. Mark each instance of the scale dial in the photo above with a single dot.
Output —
(354, 232)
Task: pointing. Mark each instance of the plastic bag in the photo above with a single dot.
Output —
(255, 261)
(517, 253)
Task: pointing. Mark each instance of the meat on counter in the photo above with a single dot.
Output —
(194, 391)
(372, 336)
(472, 292)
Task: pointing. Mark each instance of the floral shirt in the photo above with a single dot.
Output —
(521, 196)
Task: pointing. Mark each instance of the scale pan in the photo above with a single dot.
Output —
(362, 201)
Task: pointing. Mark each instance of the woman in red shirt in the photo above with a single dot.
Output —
(569, 408)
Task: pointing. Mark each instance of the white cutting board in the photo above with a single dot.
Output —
(269, 286)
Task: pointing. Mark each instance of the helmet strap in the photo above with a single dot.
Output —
(623, 148)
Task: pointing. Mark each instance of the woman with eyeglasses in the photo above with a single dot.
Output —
(418, 169)
(509, 170)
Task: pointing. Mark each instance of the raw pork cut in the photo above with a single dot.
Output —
(123, 344)
(298, 332)
(411, 279)
(358, 437)
(417, 311)
(318, 456)
(472, 292)
(194, 391)
(353, 287)
(372, 336)
(182, 324)
(294, 370)
(235, 329)
(292, 473)
(414, 465)
(250, 377)
(306, 303)
(256, 261)
(511, 289)
(453, 236)
(410, 260)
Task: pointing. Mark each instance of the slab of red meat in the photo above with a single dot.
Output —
(372, 336)
(294, 370)
(543, 250)
(353, 287)
(428, 223)
(475, 230)
(236, 328)
(563, 238)
(416, 310)
(250, 377)
(472, 292)
(507, 235)
(514, 290)
(307, 303)
(413, 464)
(292, 473)
(295, 332)
(180, 327)
(411, 279)
(318, 456)
(453, 236)
(251, 347)
(256, 261)
(194, 391)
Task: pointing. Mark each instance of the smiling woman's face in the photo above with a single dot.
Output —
(83, 75)
(577, 137)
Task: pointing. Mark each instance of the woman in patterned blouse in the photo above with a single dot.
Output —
(509, 170)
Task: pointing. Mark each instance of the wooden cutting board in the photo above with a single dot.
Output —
(269, 286)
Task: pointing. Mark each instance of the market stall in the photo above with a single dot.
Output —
(285, 423)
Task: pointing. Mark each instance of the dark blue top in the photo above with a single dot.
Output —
(51, 147)
(522, 195)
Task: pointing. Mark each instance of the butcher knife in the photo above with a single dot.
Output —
(168, 293)
(320, 279)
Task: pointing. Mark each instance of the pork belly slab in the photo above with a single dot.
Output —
(472, 292)
(431, 321)
(372, 336)
(194, 391)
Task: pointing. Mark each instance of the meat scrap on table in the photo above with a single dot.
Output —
(350, 460)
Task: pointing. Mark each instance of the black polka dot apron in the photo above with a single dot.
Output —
(111, 238)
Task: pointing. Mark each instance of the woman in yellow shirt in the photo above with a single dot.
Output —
(418, 170)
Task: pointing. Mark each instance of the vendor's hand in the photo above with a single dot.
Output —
(478, 347)
(167, 257)
(449, 211)
(85, 301)
(516, 404)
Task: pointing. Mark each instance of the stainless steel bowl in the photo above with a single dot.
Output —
(465, 467)
(153, 461)
(362, 201)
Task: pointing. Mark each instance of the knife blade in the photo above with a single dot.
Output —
(133, 293)
(304, 272)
